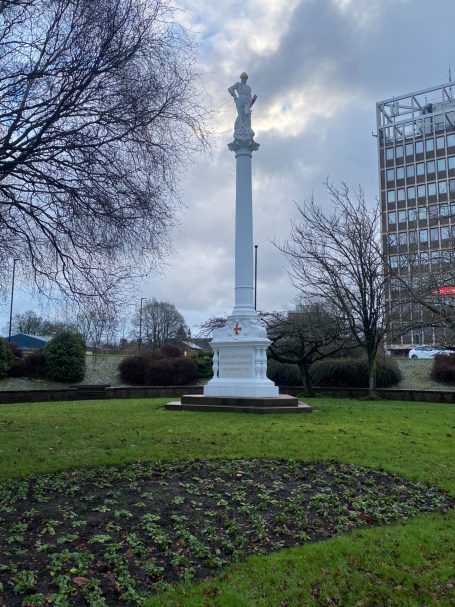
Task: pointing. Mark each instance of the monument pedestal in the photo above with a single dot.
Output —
(240, 359)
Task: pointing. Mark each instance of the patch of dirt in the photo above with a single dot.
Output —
(113, 536)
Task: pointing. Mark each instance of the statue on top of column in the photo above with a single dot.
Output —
(243, 101)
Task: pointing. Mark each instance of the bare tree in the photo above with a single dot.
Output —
(306, 335)
(161, 322)
(99, 108)
(336, 258)
(28, 322)
(98, 322)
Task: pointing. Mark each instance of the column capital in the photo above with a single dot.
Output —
(243, 144)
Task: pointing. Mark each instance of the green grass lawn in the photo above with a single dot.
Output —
(407, 564)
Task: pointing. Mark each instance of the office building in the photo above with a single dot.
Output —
(416, 161)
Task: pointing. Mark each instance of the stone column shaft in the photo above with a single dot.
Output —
(244, 265)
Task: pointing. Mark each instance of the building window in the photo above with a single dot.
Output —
(434, 234)
(401, 216)
(444, 210)
(430, 167)
(419, 147)
(412, 215)
(400, 172)
(412, 193)
(412, 237)
(445, 256)
(423, 236)
(389, 154)
(393, 261)
(445, 233)
(433, 211)
(424, 258)
(421, 190)
(391, 196)
(422, 213)
(441, 164)
(390, 174)
(429, 145)
(392, 240)
(452, 186)
(440, 143)
(434, 256)
(442, 187)
(451, 162)
(410, 171)
(450, 141)
(392, 217)
(402, 238)
(420, 169)
(399, 152)
(400, 195)
(431, 189)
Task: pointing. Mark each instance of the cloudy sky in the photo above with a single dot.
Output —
(318, 68)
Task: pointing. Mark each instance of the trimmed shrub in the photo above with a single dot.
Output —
(32, 365)
(443, 369)
(353, 373)
(35, 364)
(17, 352)
(17, 368)
(204, 362)
(184, 371)
(65, 357)
(154, 369)
(132, 368)
(283, 374)
(171, 351)
(6, 357)
(159, 372)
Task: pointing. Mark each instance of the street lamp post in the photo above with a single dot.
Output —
(140, 324)
(12, 297)
(255, 275)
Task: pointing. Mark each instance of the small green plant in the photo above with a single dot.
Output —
(6, 357)
(65, 357)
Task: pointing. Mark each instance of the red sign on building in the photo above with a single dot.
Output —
(446, 290)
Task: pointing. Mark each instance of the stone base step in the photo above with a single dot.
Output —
(279, 404)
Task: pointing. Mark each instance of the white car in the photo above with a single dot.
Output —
(427, 352)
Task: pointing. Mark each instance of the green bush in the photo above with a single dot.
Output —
(65, 357)
(32, 365)
(157, 369)
(204, 362)
(443, 369)
(353, 373)
(6, 357)
(283, 374)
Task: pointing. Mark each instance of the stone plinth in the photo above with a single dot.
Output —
(240, 359)
(279, 404)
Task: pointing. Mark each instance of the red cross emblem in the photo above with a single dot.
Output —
(237, 328)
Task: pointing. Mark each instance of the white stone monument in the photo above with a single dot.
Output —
(240, 360)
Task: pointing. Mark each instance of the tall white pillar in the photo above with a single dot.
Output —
(240, 347)
(244, 262)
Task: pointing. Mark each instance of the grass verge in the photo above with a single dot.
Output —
(408, 564)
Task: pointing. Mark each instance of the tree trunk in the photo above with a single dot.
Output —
(372, 375)
(304, 369)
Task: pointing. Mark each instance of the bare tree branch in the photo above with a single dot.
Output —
(99, 110)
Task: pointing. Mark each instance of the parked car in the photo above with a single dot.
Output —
(427, 352)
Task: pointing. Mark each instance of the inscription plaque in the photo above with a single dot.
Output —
(235, 363)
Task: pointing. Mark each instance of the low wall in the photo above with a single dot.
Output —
(429, 396)
(84, 392)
